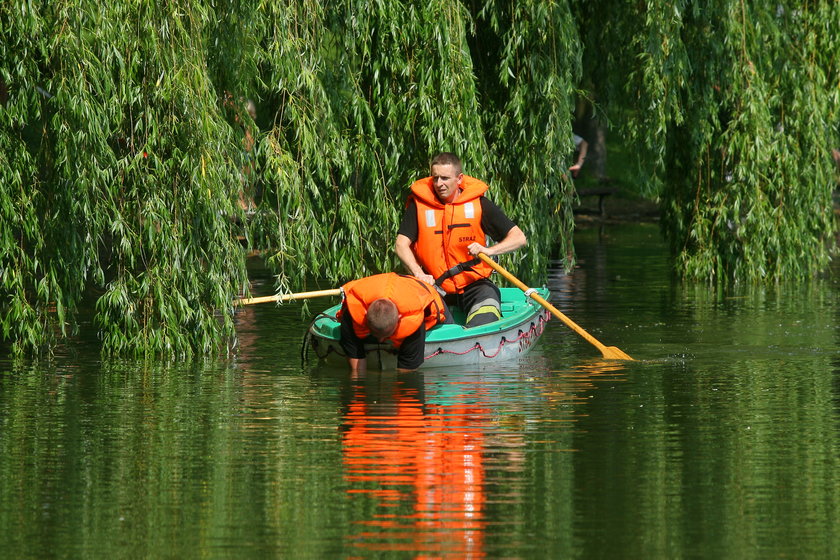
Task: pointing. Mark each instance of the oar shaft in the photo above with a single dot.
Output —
(288, 297)
(608, 351)
(571, 324)
(542, 301)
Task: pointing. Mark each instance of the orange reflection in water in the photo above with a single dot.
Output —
(423, 462)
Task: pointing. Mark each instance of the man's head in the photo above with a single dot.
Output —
(446, 176)
(382, 318)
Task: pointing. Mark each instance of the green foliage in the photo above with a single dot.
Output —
(125, 142)
(123, 152)
(532, 100)
(362, 107)
(764, 182)
(116, 173)
(731, 107)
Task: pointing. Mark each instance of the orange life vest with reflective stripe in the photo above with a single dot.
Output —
(416, 301)
(444, 231)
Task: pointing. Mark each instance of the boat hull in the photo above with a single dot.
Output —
(514, 335)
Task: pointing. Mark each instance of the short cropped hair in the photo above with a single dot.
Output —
(382, 317)
(447, 158)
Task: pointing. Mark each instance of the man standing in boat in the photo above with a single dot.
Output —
(389, 307)
(446, 224)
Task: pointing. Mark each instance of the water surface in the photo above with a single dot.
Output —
(719, 441)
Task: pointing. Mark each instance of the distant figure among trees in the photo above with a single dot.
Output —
(246, 195)
(245, 198)
(581, 147)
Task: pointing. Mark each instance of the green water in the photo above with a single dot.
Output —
(720, 441)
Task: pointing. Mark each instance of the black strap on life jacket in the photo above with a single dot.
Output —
(457, 269)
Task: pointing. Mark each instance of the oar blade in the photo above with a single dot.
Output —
(613, 353)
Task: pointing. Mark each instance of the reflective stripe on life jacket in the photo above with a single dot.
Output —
(416, 301)
(444, 231)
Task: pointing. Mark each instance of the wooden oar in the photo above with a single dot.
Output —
(609, 352)
(288, 297)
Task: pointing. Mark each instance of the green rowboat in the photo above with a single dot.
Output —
(522, 323)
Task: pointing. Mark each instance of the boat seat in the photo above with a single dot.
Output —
(601, 193)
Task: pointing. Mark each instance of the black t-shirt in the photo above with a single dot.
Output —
(494, 222)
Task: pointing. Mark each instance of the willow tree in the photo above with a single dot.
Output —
(730, 107)
(363, 94)
(115, 173)
(122, 150)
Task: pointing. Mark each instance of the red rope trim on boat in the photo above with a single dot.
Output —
(535, 329)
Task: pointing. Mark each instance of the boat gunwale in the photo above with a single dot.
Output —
(491, 329)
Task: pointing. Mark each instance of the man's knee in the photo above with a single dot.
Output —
(482, 303)
(486, 312)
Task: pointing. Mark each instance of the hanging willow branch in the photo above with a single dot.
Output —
(118, 178)
(126, 145)
(731, 108)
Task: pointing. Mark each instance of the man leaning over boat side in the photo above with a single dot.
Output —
(446, 223)
(389, 307)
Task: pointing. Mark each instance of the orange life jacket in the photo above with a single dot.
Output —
(444, 231)
(416, 301)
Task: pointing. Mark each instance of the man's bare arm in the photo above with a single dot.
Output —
(406, 255)
(513, 240)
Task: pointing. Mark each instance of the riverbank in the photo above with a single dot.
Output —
(622, 207)
(615, 207)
